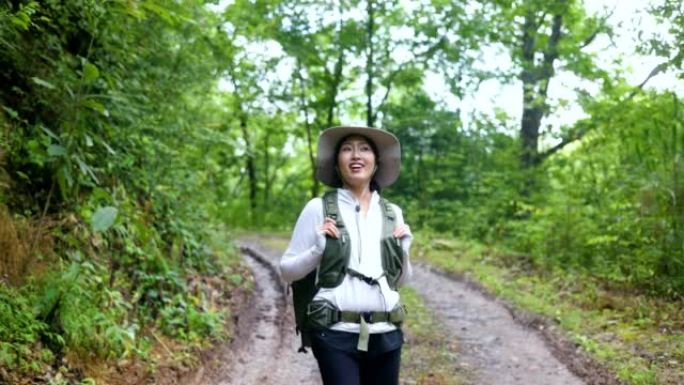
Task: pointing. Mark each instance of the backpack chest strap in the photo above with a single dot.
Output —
(369, 280)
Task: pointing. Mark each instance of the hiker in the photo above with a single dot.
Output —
(349, 253)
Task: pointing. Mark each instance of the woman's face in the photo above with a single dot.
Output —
(356, 161)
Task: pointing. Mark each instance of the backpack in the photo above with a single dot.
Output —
(304, 290)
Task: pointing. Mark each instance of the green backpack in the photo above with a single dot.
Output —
(333, 266)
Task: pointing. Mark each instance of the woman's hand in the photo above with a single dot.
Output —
(329, 227)
(400, 231)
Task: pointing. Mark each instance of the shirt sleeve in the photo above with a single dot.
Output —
(304, 252)
(407, 270)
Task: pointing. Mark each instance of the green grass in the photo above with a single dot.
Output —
(640, 338)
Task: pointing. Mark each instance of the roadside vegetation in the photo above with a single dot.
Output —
(113, 266)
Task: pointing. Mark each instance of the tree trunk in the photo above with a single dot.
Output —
(334, 89)
(251, 167)
(267, 168)
(307, 128)
(370, 117)
(535, 79)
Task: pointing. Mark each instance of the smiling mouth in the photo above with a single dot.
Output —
(356, 167)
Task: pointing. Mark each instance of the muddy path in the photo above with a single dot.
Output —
(496, 346)
(264, 351)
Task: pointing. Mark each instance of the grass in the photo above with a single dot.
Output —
(640, 338)
(427, 357)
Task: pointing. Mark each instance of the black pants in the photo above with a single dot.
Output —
(341, 363)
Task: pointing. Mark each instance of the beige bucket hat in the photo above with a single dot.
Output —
(389, 153)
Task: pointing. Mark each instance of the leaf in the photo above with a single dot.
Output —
(21, 20)
(56, 150)
(109, 148)
(23, 176)
(96, 106)
(49, 132)
(103, 218)
(14, 114)
(86, 169)
(64, 180)
(90, 73)
(43, 83)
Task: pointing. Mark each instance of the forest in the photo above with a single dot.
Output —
(138, 138)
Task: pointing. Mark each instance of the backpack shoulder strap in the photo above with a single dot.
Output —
(330, 208)
(389, 217)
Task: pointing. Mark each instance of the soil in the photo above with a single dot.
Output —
(265, 349)
(498, 343)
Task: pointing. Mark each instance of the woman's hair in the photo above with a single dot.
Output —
(374, 186)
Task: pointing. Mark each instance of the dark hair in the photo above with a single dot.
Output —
(374, 186)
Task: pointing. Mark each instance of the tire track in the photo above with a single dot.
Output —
(492, 344)
(265, 352)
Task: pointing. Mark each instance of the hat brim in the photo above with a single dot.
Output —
(389, 153)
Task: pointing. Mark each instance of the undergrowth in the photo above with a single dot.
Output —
(108, 299)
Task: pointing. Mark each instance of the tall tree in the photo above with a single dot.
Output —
(542, 38)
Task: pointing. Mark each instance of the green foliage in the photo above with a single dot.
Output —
(613, 205)
(19, 332)
(182, 318)
(109, 144)
(453, 180)
(83, 316)
(666, 45)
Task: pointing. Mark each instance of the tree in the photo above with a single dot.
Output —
(543, 37)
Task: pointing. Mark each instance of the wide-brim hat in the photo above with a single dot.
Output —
(388, 159)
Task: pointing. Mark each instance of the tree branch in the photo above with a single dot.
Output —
(655, 71)
(564, 142)
(599, 29)
(390, 79)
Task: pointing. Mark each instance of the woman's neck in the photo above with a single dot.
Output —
(361, 193)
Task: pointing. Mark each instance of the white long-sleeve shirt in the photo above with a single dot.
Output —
(305, 251)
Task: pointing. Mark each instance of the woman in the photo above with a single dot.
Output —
(356, 244)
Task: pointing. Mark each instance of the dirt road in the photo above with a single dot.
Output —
(266, 352)
(496, 349)
(499, 350)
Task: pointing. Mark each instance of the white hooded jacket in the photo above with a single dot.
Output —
(305, 251)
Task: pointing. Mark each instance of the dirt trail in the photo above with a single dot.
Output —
(265, 350)
(492, 344)
(496, 349)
